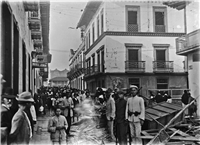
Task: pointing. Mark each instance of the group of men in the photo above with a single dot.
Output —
(16, 123)
(125, 115)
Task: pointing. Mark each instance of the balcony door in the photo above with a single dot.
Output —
(133, 58)
(160, 58)
(132, 18)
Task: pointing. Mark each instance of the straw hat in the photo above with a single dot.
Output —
(133, 86)
(25, 97)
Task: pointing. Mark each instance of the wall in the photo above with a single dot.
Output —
(116, 16)
(22, 19)
(192, 16)
(115, 49)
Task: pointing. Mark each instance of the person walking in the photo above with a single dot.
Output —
(57, 126)
(110, 112)
(135, 114)
(121, 123)
(66, 113)
(21, 131)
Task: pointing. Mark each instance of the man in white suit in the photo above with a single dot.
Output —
(135, 114)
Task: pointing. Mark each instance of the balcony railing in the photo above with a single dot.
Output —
(95, 69)
(132, 28)
(159, 28)
(163, 66)
(188, 43)
(135, 66)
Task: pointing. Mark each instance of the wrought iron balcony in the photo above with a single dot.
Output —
(188, 43)
(93, 70)
(163, 66)
(159, 28)
(134, 66)
(132, 28)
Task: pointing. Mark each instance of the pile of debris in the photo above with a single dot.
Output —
(187, 131)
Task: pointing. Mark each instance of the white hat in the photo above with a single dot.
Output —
(133, 86)
(25, 97)
(101, 96)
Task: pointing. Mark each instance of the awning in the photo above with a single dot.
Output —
(179, 5)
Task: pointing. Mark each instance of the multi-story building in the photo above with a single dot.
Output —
(133, 42)
(76, 65)
(189, 45)
(24, 44)
(58, 78)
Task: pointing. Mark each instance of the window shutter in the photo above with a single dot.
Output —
(132, 17)
(159, 16)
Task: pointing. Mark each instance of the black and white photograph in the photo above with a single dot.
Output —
(100, 72)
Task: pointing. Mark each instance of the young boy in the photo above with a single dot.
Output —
(57, 127)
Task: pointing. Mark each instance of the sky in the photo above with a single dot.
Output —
(63, 35)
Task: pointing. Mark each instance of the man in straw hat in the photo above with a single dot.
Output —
(135, 113)
(21, 131)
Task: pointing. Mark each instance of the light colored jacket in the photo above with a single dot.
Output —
(110, 108)
(66, 107)
(135, 104)
(57, 135)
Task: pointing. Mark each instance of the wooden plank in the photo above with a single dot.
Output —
(165, 109)
(180, 132)
(145, 133)
(175, 138)
(171, 106)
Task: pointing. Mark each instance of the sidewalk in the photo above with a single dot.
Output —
(40, 135)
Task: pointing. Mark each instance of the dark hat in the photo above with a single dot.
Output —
(25, 97)
(8, 96)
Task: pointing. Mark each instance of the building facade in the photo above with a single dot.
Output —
(133, 43)
(77, 68)
(24, 44)
(58, 78)
(189, 45)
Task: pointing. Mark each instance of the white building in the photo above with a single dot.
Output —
(76, 65)
(189, 45)
(133, 42)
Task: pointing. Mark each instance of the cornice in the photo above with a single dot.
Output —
(150, 34)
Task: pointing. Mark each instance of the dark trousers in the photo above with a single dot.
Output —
(122, 133)
(68, 118)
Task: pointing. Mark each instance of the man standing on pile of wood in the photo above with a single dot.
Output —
(135, 114)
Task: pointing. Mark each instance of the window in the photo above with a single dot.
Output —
(162, 83)
(102, 22)
(132, 18)
(98, 61)
(93, 33)
(93, 62)
(133, 55)
(98, 26)
(88, 38)
(102, 61)
(159, 19)
(134, 81)
(86, 41)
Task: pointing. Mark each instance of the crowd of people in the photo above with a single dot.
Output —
(123, 113)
